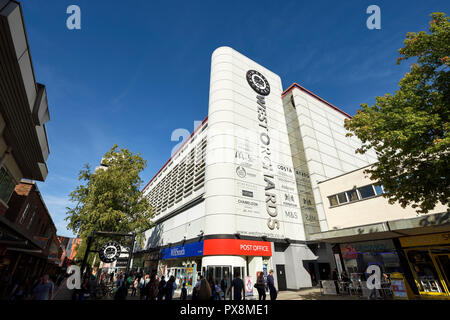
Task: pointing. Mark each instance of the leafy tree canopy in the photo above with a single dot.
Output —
(409, 130)
(110, 198)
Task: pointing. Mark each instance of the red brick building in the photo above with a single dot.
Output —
(41, 251)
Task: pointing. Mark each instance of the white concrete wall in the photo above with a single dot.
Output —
(234, 127)
(188, 223)
(368, 211)
(328, 151)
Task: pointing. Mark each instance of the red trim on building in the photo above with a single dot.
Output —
(179, 149)
(295, 85)
(236, 247)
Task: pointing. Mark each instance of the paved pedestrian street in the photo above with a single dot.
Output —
(63, 293)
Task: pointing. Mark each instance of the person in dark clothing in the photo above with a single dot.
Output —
(271, 285)
(238, 286)
(183, 295)
(223, 286)
(161, 288)
(122, 292)
(261, 286)
(335, 278)
(169, 288)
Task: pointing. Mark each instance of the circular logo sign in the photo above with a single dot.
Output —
(258, 82)
(109, 252)
(240, 171)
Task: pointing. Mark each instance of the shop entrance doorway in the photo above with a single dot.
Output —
(179, 274)
(221, 274)
(324, 271)
(443, 262)
(281, 277)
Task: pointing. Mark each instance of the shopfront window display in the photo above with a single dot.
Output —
(426, 271)
(359, 256)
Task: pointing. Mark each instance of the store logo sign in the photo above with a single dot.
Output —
(240, 171)
(246, 193)
(177, 252)
(258, 82)
(109, 252)
(237, 247)
(188, 250)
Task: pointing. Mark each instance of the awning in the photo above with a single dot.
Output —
(14, 239)
(427, 223)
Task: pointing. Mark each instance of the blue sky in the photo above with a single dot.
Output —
(138, 70)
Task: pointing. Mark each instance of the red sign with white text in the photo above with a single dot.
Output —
(236, 247)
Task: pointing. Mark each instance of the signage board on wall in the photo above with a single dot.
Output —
(248, 135)
(188, 250)
(237, 247)
(248, 286)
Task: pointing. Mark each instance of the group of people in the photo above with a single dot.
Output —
(153, 287)
(213, 290)
(41, 288)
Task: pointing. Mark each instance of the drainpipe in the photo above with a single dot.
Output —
(3, 157)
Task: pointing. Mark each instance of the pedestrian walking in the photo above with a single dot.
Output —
(142, 288)
(271, 285)
(238, 286)
(261, 286)
(204, 291)
(122, 291)
(135, 287)
(152, 288)
(170, 288)
(183, 295)
(19, 294)
(223, 286)
(161, 288)
(84, 290)
(217, 292)
(196, 289)
(44, 289)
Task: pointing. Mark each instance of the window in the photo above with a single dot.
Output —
(7, 184)
(366, 192)
(378, 189)
(352, 195)
(342, 198)
(333, 200)
(24, 214)
(31, 220)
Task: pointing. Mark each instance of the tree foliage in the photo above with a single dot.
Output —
(409, 130)
(110, 198)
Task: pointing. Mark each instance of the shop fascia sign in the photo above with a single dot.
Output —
(188, 250)
(261, 86)
(237, 247)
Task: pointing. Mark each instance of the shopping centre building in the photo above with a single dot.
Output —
(365, 229)
(242, 193)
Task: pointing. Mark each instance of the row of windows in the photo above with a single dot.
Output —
(186, 177)
(356, 194)
(7, 184)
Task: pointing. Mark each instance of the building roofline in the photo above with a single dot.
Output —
(348, 172)
(295, 85)
(291, 87)
(179, 149)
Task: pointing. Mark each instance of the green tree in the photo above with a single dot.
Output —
(109, 199)
(409, 130)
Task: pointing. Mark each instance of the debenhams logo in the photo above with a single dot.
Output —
(258, 82)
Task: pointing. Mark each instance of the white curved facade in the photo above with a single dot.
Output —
(235, 183)
(241, 194)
